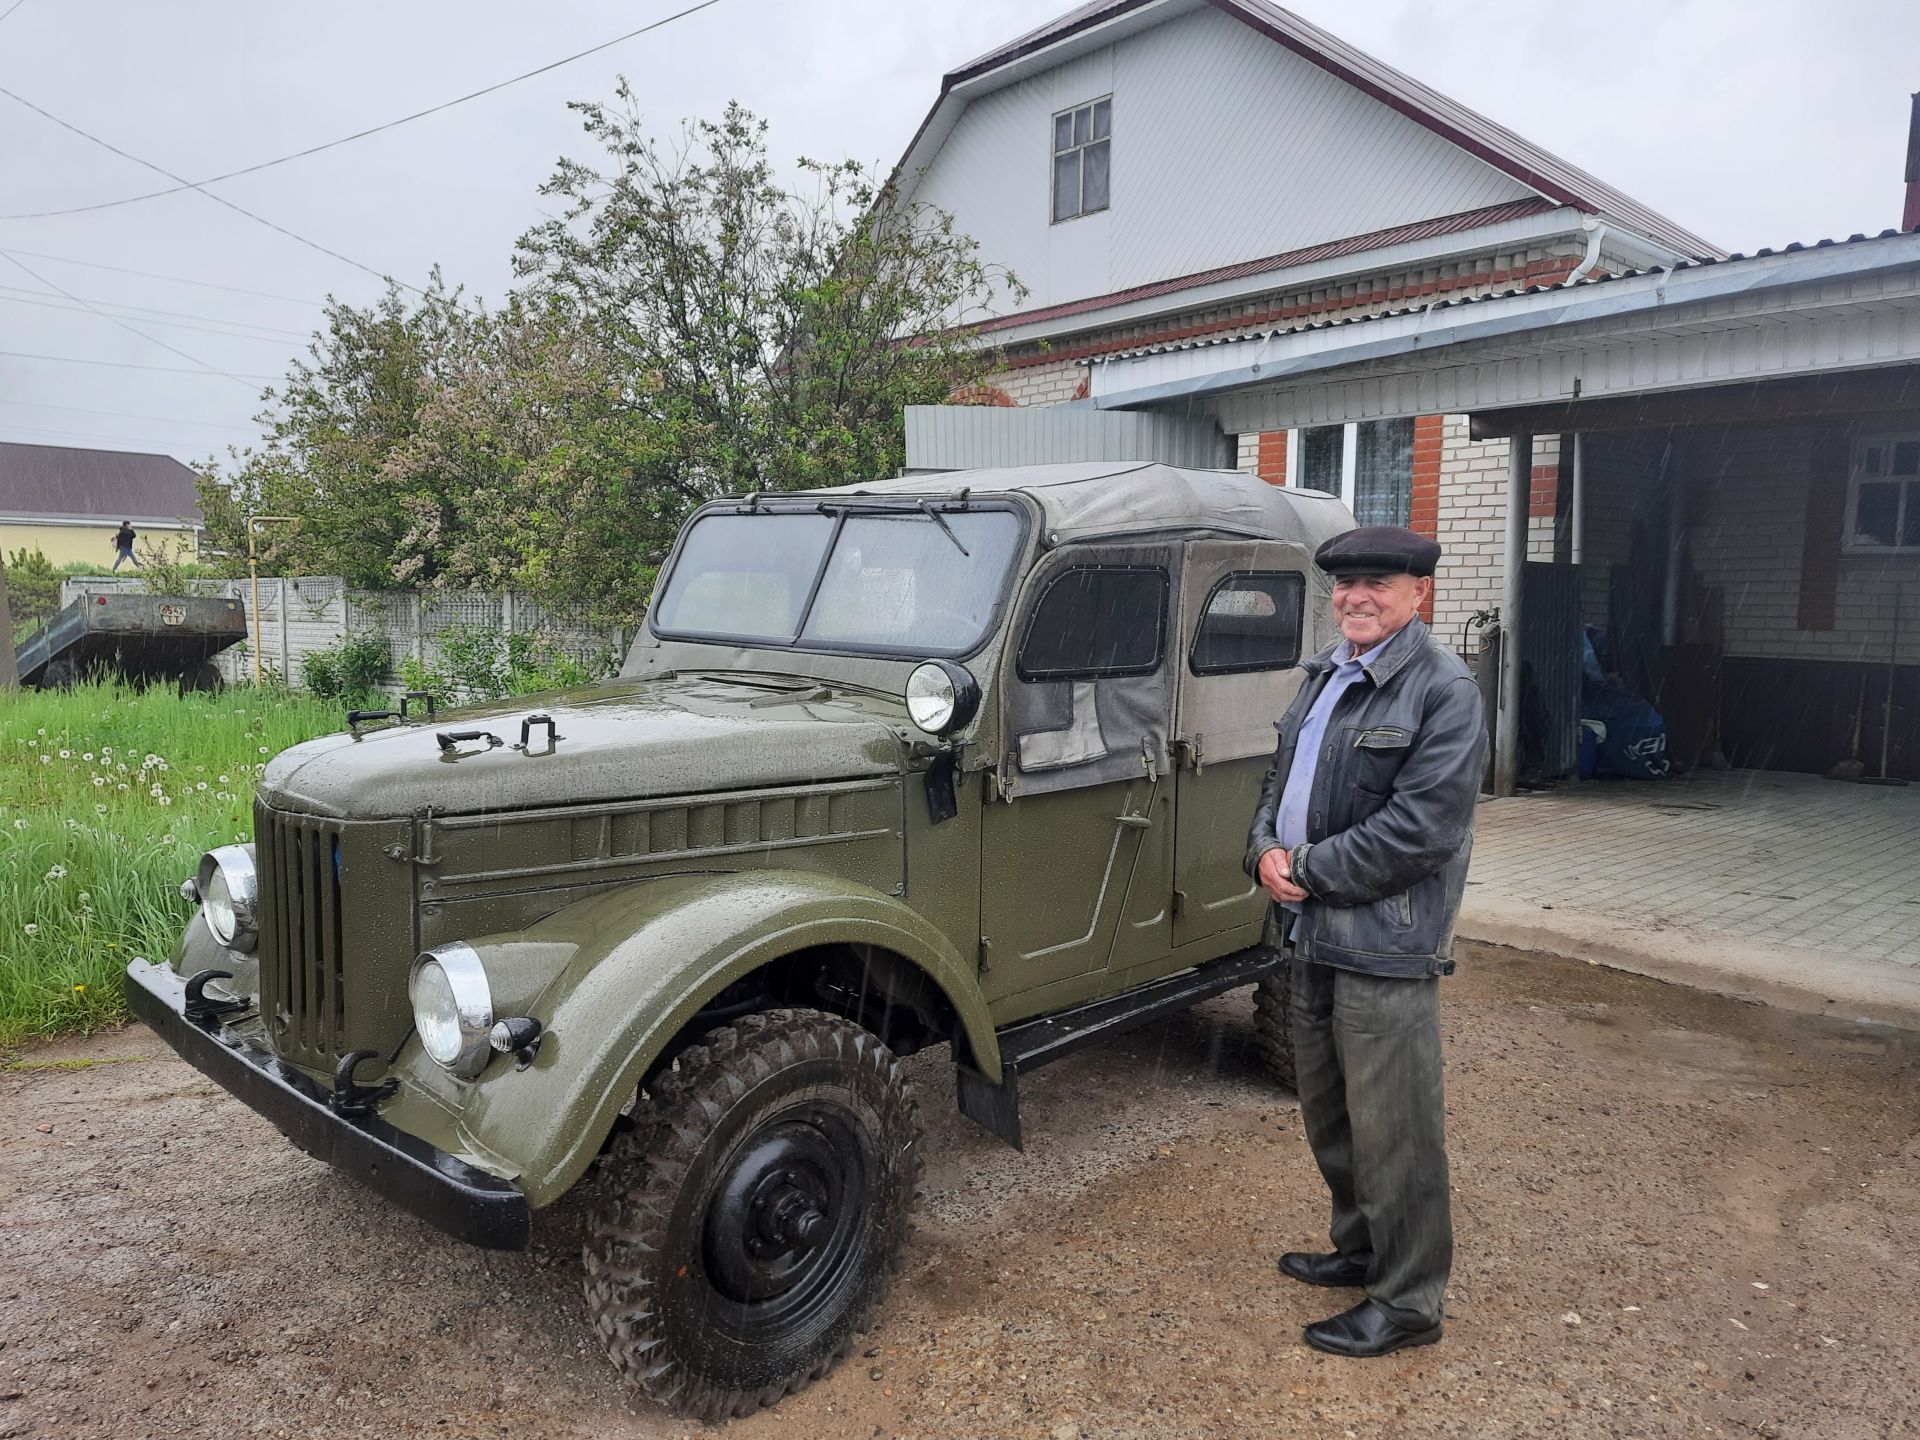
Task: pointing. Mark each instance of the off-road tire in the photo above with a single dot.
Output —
(1273, 1024)
(662, 1254)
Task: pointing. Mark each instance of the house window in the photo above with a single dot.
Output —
(1369, 465)
(1082, 159)
(1883, 500)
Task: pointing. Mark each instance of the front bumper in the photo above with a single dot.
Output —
(441, 1189)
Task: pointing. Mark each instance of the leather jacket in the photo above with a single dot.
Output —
(1390, 816)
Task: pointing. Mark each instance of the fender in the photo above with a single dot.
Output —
(638, 964)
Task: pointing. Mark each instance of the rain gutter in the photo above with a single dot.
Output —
(1421, 332)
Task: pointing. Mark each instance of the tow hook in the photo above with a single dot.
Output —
(351, 1099)
(199, 1007)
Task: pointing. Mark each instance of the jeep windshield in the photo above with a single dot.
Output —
(907, 581)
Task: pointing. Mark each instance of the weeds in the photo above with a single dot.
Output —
(108, 796)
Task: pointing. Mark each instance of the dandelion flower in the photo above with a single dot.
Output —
(123, 786)
(84, 898)
(46, 759)
(79, 989)
(263, 749)
(224, 780)
(33, 744)
(166, 799)
(98, 781)
(41, 731)
(19, 824)
(66, 754)
(58, 872)
(87, 755)
(101, 809)
(30, 928)
(199, 784)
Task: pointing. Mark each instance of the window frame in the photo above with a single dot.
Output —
(1119, 672)
(1079, 148)
(1299, 586)
(1348, 493)
(1909, 487)
(842, 511)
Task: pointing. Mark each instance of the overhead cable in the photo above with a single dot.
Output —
(52, 302)
(123, 415)
(124, 325)
(155, 275)
(125, 365)
(217, 199)
(345, 139)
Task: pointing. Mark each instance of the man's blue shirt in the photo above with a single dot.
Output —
(1290, 819)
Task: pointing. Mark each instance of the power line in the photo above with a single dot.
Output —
(52, 302)
(10, 9)
(148, 447)
(122, 324)
(122, 415)
(153, 275)
(346, 139)
(126, 365)
(217, 199)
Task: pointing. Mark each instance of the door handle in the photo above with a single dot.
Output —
(1135, 822)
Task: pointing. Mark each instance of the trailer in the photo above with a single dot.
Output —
(144, 639)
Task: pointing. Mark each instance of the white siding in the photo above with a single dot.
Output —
(971, 437)
(1226, 147)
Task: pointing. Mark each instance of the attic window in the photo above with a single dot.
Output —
(1082, 159)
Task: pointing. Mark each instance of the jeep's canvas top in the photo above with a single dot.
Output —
(1101, 498)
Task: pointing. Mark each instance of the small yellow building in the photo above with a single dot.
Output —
(68, 503)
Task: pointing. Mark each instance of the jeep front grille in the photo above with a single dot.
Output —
(302, 949)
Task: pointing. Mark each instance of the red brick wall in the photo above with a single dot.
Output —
(1271, 466)
(1424, 514)
(1544, 496)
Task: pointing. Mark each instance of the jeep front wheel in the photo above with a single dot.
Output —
(746, 1227)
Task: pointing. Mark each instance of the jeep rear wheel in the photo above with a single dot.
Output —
(1273, 1024)
(741, 1239)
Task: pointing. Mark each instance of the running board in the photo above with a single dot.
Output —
(1029, 1044)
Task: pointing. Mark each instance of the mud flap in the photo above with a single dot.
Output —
(995, 1108)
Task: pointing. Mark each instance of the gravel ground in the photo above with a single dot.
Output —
(1677, 1215)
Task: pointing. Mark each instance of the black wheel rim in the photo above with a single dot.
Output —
(786, 1221)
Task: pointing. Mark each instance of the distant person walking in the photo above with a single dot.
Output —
(123, 539)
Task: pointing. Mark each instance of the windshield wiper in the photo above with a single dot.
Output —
(940, 520)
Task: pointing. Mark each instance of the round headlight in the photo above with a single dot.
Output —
(942, 697)
(452, 1007)
(230, 895)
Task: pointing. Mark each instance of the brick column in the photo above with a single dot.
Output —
(1424, 512)
(1272, 464)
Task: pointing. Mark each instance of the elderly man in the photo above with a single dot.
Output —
(1361, 838)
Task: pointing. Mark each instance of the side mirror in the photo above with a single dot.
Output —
(942, 697)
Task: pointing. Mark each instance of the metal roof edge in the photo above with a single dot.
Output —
(1408, 332)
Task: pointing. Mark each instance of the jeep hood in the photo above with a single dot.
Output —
(623, 740)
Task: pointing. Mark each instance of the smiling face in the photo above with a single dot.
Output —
(1370, 608)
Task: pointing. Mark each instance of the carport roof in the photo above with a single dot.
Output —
(1806, 309)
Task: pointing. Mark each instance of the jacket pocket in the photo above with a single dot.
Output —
(1378, 753)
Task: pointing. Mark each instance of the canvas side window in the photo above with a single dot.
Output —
(1251, 621)
(1094, 622)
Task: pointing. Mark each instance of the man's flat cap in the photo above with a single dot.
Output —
(1378, 550)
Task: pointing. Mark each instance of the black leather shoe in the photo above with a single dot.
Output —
(1335, 1271)
(1365, 1331)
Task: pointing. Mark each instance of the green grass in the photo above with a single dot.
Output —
(108, 796)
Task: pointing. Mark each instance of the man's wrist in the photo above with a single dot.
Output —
(1297, 865)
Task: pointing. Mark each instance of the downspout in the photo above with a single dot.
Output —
(1596, 232)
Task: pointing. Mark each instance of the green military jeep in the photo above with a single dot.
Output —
(960, 759)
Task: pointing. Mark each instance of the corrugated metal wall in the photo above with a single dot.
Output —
(1226, 147)
(977, 437)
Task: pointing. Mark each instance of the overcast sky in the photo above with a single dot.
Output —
(1753, 122)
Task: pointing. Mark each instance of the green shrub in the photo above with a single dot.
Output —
(478, 663)
(354, 666)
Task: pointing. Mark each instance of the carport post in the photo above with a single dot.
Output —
(1506, 731)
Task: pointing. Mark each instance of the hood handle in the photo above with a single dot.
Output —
(526, 730)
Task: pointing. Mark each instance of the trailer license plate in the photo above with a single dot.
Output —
(173, 614)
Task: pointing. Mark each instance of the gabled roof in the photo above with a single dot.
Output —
(1512, 154)
(58, 482)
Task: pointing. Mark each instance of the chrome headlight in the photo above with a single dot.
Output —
(452, 1007)
(229, 889)
(942, 697)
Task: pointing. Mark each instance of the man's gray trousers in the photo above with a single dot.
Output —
(1367, 1056)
